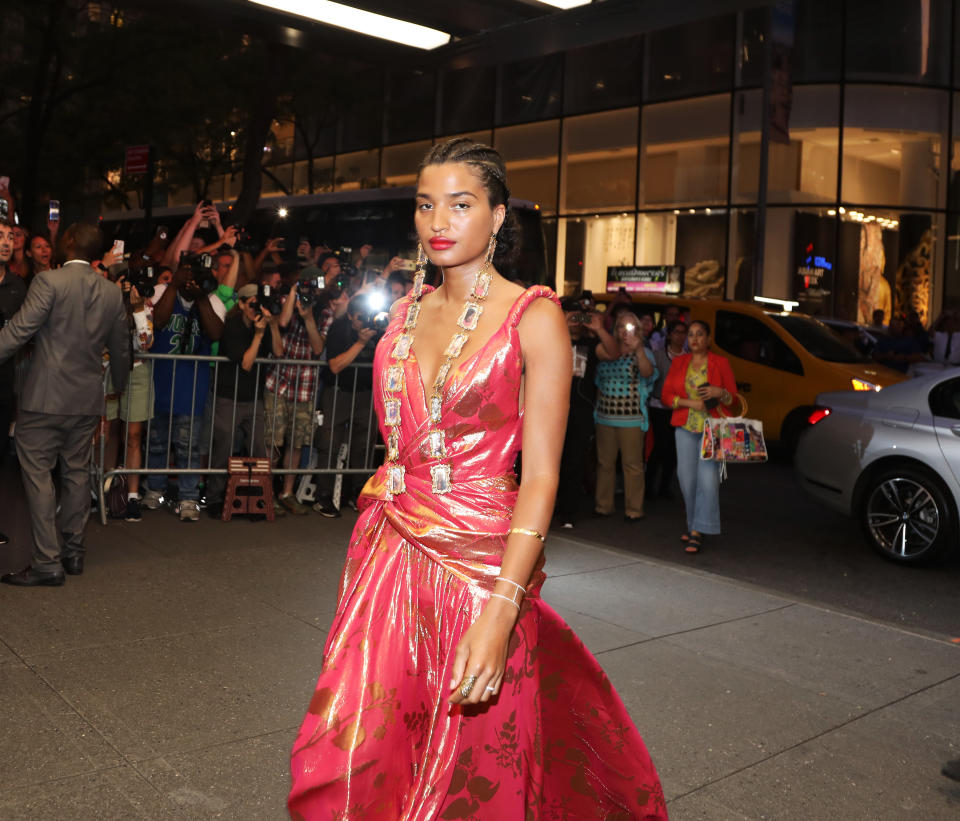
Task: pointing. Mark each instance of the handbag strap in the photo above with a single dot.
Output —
(743, 407)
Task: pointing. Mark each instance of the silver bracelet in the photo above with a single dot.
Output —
(506, 599)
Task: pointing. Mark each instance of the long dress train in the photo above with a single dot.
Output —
(380, 740)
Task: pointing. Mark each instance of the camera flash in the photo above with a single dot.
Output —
(282, 213)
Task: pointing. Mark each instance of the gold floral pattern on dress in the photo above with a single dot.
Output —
(380, 740)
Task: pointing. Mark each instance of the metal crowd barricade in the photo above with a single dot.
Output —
(345, 382)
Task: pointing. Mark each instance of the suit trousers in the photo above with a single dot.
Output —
(629, 443)
(346, 420)
(43, 439)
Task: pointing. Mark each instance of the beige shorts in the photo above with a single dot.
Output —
(136, 402)
(281, 416)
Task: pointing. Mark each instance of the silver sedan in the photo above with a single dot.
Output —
(891, 459)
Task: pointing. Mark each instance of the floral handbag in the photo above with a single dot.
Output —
(733, 438)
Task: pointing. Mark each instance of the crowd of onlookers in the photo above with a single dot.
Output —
(207, 292)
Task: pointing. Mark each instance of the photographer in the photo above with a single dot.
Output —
(290, 393)
(240, 387)
(190, 318)
(347, 394)
(624, 382)
(586, 335)
(13, 291)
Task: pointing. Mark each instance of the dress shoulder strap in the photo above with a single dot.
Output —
(524, 300)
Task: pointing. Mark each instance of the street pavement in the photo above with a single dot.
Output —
(168, 681)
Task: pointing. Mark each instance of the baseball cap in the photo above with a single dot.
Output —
(247, 291)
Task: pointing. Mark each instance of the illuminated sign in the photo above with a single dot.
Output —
(658, 279)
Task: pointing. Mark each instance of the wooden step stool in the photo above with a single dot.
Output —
(249, 488)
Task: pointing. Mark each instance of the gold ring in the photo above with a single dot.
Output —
(467, 685)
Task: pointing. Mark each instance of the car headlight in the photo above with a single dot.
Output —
(864, 385)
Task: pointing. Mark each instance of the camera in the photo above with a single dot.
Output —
(201, 270)
(3, 320)
(143, 277)
(309, 291)
(375, 314)
(270, 300)
(245, 242)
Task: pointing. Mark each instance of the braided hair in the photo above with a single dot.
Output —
(487, 164)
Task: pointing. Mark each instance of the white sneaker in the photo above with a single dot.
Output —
(151, 499)
(188, 510)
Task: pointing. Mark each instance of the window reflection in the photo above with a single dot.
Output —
(603, 76)
(588, 246)
(600, 161)
(360, 169)
(400, 162)
(805, 169)
(530, 153)
(892, 145)
(696, 58)
(685, 151)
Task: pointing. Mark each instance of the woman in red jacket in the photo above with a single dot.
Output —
(698, 382)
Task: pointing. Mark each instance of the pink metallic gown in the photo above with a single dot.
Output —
(380, 740)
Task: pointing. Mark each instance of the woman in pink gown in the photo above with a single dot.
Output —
(449, 688)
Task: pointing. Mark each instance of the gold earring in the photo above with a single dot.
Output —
(421, 258)
(491, 248)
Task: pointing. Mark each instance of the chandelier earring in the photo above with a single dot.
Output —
(491, 250)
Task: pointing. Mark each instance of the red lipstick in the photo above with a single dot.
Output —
(441, 244)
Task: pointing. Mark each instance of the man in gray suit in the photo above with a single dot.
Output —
(71, 313)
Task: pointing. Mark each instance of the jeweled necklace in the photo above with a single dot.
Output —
(436, 437)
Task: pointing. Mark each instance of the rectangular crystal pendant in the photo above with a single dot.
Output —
(418, 285)
(436, 408)
(412, 313)
(482, 288)
(437, 444)
(401, 349)
(456, 345)
(395, 479)
(441, 379)
(470, 317)
(393, 446)
(395, 378)
(391, 413)
(440, 478)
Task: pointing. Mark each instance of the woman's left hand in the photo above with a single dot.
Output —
(482, 652)
(710, 392)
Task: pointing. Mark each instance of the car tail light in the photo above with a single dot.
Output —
(864, 385)
(818, 415)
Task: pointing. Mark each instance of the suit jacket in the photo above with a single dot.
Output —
(71, 313)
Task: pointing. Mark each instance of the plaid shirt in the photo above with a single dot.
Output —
(294, 381)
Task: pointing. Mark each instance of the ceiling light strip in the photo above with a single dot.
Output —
(364, 22)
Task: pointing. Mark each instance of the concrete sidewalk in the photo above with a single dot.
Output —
(168, 681)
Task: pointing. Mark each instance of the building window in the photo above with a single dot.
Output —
(603, 76)
(400, 162)
(467, 99)
(893, 141)
(411, 106)
(530, 89)
(892, 40)
(599, 169)
(530, 153)
(803, 169)
(696, 58)
(587, 246)
(685, 152)
(319, 182)
(360, 169)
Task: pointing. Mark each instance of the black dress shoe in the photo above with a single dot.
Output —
(3, 538)
(73, 565)
(28, 577)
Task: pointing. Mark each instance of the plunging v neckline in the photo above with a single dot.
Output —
(474, 355)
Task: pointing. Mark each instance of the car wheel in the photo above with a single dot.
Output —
(906, 516)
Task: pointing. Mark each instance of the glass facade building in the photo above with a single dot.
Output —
(647, 151)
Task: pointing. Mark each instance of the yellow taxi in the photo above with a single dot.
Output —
(781, 359)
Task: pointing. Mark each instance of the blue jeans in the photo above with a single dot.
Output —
(187, 453)
(699, 483)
